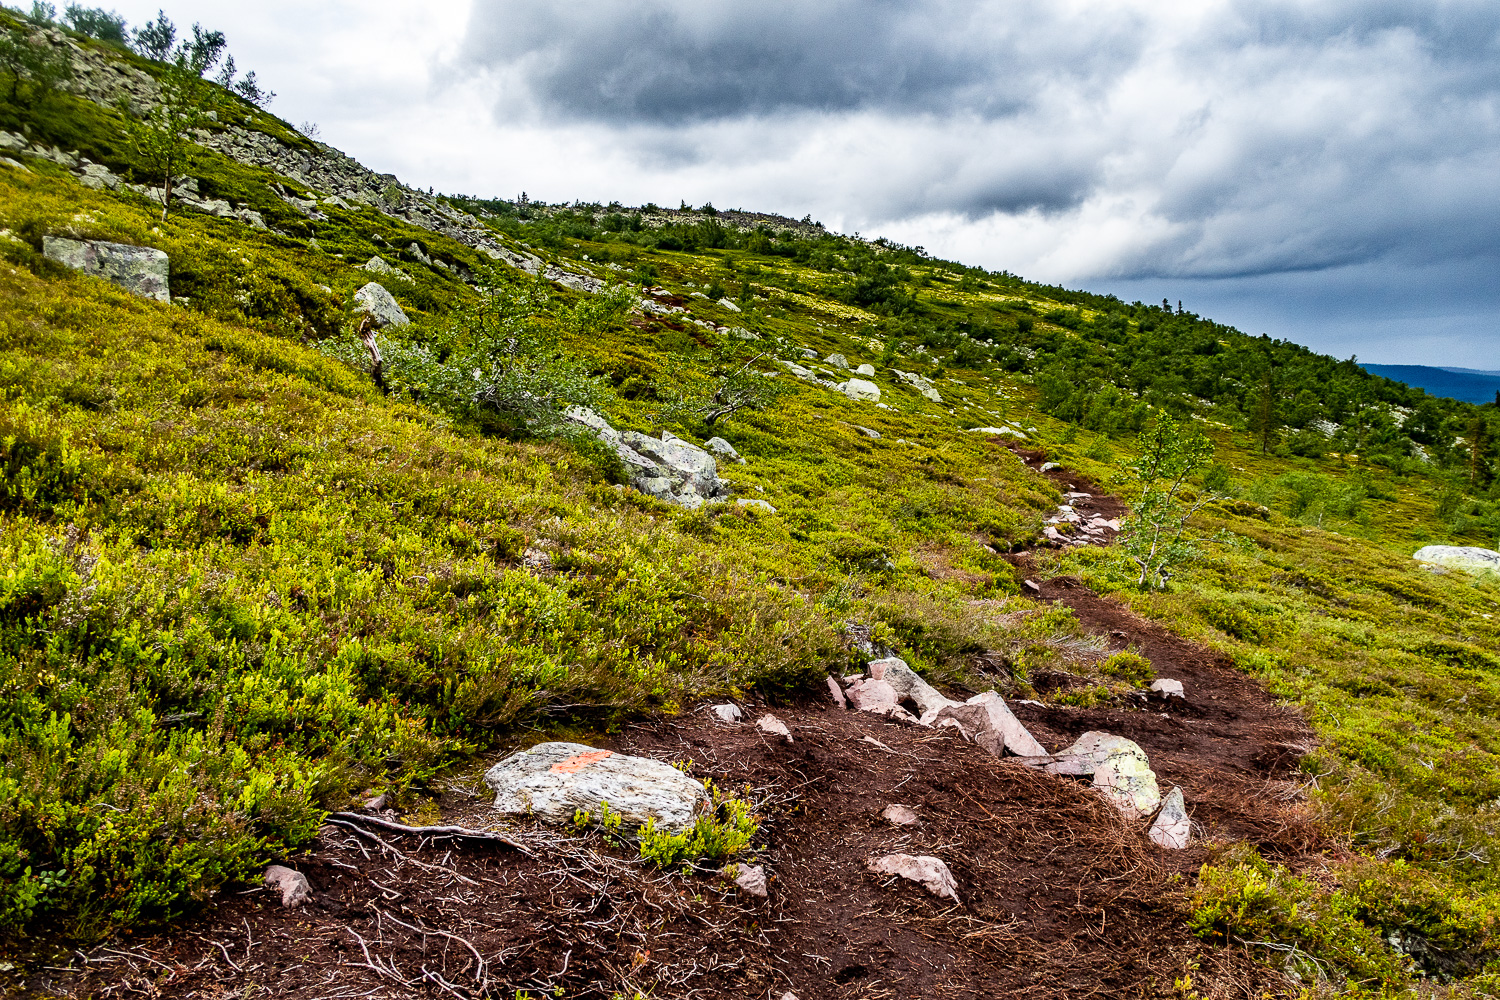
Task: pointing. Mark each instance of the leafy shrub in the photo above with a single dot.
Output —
(1249, 618)
(1132, 668)
(716, 836)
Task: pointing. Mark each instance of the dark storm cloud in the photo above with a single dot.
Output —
(1124, 141)
(678, 61)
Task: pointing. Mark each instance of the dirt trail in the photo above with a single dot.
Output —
(1060, 896)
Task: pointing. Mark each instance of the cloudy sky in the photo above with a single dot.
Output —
(1322, 170)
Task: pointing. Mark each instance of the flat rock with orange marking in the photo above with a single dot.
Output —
(554, 782)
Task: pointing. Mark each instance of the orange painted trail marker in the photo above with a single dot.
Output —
(577, 763)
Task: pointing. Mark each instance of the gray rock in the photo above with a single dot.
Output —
(142, 271)
(671, 469)
(1083, 758)
(380, 305)
(837, 360)
(379, 265)
(1464, 557)
(757, 504)
(873, 435)
(898, 815)
(554, 781)
(416, 251)
(728, 712)
(859, 389)
(808, 354)
(988, 721)
(1168, 688)
(99, 177)
(729, 304)
(293, 885)
(865, 370)
(1049, 466)
(1172, 828)
(719, 446)
(919, 383)
(929, 872)
(999, 432)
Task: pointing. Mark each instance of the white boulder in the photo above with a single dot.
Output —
(908, 685)
(859, 389)
(868, 370)
(380, 305)
(728, 712)
(142, 271)
(1168, 688)
(837, 360)
(770, 724)
(988, 721)
(554, 781)
(929, 872)
(1464, 557)
(669, 469)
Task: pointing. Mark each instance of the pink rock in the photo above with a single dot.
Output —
(293, 885)
(993, 726)
(838, 693)
(1172, 827)
(872, 695)
(774, 726)
(899, 815)
(931, 873)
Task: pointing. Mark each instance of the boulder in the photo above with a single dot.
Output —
(865, 370)
(728, 303)
(871, 695)
(859, 389)
(293, 885)
(988, 721)
(1172, 827)
(142, 271)
(1464, 557)
(908, 685)
(1125, 778)
(898, 815)
(774, 726)
(1083, 758)
(728, 712)
(380, 305)
(999, 432)
(873, 435)
(719, 446)
(757, 504)
(837, 693)
(1168, 688)
(554, 781)
(670, 469)
(931, 873)
(837, 360)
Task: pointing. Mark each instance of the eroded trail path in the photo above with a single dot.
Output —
(1059, 896)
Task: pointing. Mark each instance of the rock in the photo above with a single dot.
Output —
(727, 303)
(1125, 778)
(1033, 586)
(380, 305)
(758, 504)
(142, 271)
(919, 383)
(416, 251)
(859, 389)
(989, 722)
(798, 371)
(930, 872)
(999, 432)
(865, 370)
(554, 781)
(1464, 557)
(870, 695)
(837, 360)
(379, 265)
(837, 693)
(774, 726)
(294, 887)
(728, 712)
(873, 435)
(99, 177)
(899, 815)
(1168, 688)
(752, 879)
(1172, 828)
(1083, 758)
(1049, 466)
(669, 469)
(719, 446)
(908, 685)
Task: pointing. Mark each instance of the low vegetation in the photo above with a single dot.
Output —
(241, 583)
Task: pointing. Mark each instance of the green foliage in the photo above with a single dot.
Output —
(33, 66)
(1132, 668)
(1314, 934)
(709, 386)
(726, 830)
(96, 22)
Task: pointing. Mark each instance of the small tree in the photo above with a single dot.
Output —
(163, 135)
(96, 22)
(1152, 535)
(156, 39)
(720, 383)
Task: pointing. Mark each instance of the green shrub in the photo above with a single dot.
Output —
(1132, 668)
(716, 836)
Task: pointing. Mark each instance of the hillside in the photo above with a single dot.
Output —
(252, 579)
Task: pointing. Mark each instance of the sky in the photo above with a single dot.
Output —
(1324, 171)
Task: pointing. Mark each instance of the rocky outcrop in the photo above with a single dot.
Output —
(142, 271)
(554, 782)
(380, 305)
(669, 468)
(1468, 558)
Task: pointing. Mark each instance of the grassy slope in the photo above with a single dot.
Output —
(241, 586)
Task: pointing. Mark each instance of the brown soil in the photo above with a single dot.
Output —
(1060, 896)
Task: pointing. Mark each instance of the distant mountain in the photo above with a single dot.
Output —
(1465, 384)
